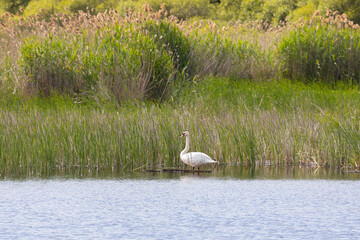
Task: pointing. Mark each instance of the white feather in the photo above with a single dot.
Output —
(194, 159)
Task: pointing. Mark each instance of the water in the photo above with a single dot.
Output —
(181, 206)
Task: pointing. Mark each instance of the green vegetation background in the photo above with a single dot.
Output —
(271, 11)
(115, 89)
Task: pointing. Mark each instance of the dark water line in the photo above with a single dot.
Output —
(223, 172)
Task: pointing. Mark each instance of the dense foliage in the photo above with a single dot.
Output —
(143, 55)
(152, 55)
(271, 11)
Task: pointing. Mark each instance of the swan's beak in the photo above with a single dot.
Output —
(182, 135)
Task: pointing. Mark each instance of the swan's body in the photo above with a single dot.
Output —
(194, 159)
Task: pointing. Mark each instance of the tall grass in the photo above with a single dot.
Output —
(123, 60)
(142, 55)
(216, 55)
(326, 51)
(68, 85)
(148, 55)
(252, 124)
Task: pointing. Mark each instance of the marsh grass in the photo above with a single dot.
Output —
(318, 53)
(257, 124)
(116, 91)
(146, 55)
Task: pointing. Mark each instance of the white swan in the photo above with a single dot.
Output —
(194, 159)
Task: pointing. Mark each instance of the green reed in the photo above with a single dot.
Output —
(76, 93)
(246, 124)
(321, 52)
(146, 55)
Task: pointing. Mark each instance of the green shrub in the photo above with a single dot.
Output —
(251, 9)
(305, 12)
(275, 11)
(46, 7)
(185, 9)
(82, 5)
(349, 7)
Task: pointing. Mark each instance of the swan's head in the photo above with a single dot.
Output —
(185, 134)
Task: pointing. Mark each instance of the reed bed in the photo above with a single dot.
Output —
(116, 91)
(252, 124)
(326, 49)
(146, 55)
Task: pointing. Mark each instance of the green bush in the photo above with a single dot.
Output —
(47, 7)
(251, 9)
(185, 9)
(305, 12)
(321, 52)
(13, 6)
(350, 7)
(275, 11)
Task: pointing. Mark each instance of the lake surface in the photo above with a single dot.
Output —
(183, 206)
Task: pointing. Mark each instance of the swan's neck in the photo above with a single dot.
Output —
(187, 145)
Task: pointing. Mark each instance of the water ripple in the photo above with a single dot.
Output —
(185, 208)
